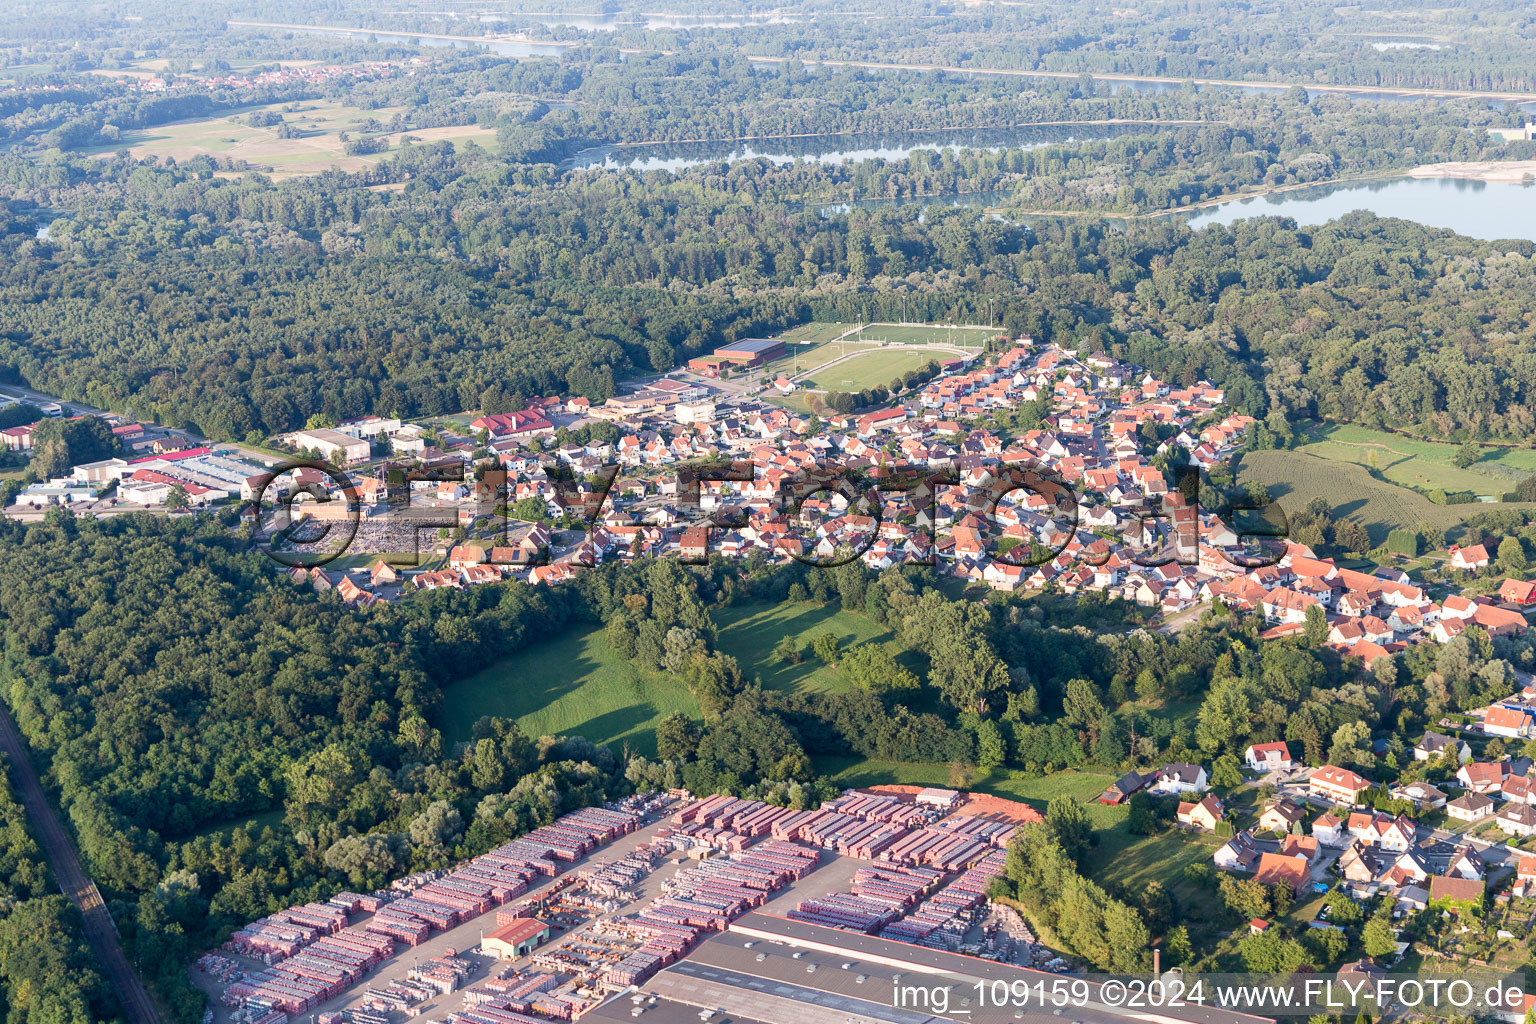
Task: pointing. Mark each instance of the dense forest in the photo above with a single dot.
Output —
(1372, 321)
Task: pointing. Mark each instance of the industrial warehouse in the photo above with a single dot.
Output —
(722, 910)
(748, 352)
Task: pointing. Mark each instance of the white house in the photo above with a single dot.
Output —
(1180, 778)
(1472, 807)
(1263, 757)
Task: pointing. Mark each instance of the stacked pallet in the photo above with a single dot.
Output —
(492, 1013)
(945, 849)
(621, 877)
(319, 973)
(868, 841)
(847, 912)
(901, 887)
(873, 807)
(285, 933)
(942, 920)
(706, 898)
(695, 834)
(517, 992)
(988, 830)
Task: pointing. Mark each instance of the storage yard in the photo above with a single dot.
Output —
(554, 925)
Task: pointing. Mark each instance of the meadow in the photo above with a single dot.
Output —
(318, 146)
(814, 332)
(930, 334)
(749, 633)
(573, 684)
(576, 684)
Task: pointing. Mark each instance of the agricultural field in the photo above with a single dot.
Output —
(749, 633)
(318, 147)
(1424, 465)
(1296, 477)
(573, 684)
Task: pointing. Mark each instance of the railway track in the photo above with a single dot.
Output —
(57, 846)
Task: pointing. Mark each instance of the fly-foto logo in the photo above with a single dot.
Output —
(1017, 514)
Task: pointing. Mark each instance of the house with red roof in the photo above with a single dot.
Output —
(1264, 757)
(1472, 557)
(1517, 592)
(1337, 784)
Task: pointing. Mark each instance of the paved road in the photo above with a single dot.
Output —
(61, 855)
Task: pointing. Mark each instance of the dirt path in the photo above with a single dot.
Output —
(72, 879)
(1365, 444)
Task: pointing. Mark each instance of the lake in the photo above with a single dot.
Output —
(834, 149)
(1480, 209)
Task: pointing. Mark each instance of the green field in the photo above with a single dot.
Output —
(813, 332)
(257, 822)
(576, 684)
(1425, 465)
(930, 334)
(317, 147)
(1295, 478)
(804, 356)
(876, 368)
(573, 684)
(749, 632)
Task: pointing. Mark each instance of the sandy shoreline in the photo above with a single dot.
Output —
(1479, 170)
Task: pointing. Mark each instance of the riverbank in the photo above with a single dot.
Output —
(1503, 171)
(878, 132)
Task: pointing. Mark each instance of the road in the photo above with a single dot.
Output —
(60, 851)
(1103, 76)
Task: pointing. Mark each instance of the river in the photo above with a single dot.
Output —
(834, 149)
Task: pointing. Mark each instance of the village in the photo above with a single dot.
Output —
(1124, 531)
(1081, 504)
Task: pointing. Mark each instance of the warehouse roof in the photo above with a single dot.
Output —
(750, 345)
(880, 962)
(519, 931)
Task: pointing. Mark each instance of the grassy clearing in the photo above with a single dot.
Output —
(1296, 477)
(257, 822)
(749, 632)
(574, 684)
(397, 560)
(804, 356)
(857, 772)
(317, 148)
